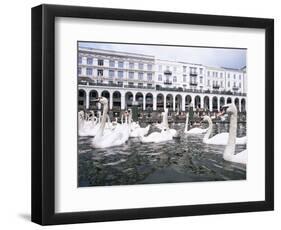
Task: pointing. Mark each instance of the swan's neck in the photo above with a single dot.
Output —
(130, 119)
(126, 119)
(165, 120)
(230, 147)
(186, 123)
(122, 119)
(103, 120)
(210, 128)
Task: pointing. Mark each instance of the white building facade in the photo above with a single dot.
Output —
(152, 84)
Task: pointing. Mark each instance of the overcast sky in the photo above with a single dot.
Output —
(215, 57)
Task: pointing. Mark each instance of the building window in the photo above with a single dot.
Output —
(160, 68)
(110, 82)
(120, 74)
(228, 75)
(175, 69)
(100, 62)
(89, 71)
(149, 67)
(221, 83)
(234, 76)
(239, 84)
(131, 84)
(228, 84)
(208, 73)
(100, 72)
(175, 79)
(140, 65)
(131, 75)
(184, 69)
(159, 77)
(149, 86)
(89, 61)
(208, 82)
(120, 83)
(140, 76)
(79, 70)
(111, 63)
(131, 65)
(111, 73)
(80, 60)
(221, 75)
(140, 85)
(149, 76)
(201, 70)
(239, 76)
(201, 80)
(184, 78)
(120, 64)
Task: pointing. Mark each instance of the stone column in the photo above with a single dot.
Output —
(219, 103)
(211, 104)
(183, 103)
(87, 99)
(144, 102)
(110, 101)
(164, 101)
(154, 102)
(122, 101)
(174, 102)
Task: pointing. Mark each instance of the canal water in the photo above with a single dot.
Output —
(185, 159)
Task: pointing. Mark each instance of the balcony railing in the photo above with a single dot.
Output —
(235, 88)
(194, 83)
(159, 88)
(167, 82)
(216, 86)
(193, 74)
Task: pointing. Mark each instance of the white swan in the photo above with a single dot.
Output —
(115, 137)
(135, 129)
(194, 130)
(229, 152)
(221, 138)
(165, 135)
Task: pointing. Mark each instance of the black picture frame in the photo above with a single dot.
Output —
(43, 114)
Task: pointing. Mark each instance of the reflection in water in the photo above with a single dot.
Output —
(186, 159)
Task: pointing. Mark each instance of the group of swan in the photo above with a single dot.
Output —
(107, 134)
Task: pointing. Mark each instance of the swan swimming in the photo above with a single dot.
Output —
(229, 152)
(221, 138)
(166, 134)
(195, 130)
(115, 137)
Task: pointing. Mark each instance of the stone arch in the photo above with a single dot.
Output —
(81, 99)
(139, 100)
(197, 102)
(169, 101)
(92, 96)
(160, 102)
(229, 100)
(206, 102)
(188, 100)
(116, 99)
(215, 103)
(129, 98)
(178, 101)
(149, 101)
